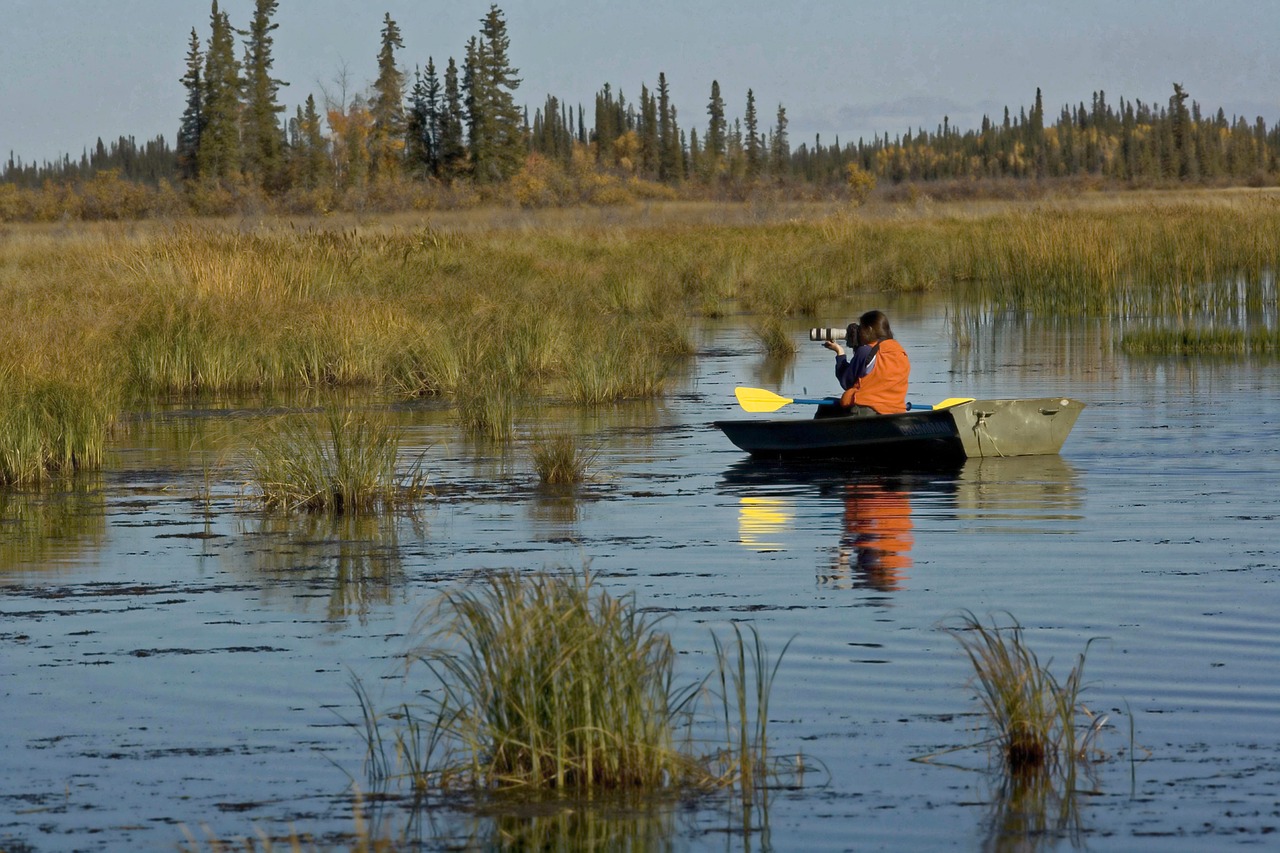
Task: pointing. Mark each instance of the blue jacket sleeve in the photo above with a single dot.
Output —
(849, 371)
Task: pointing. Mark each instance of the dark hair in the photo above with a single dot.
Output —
(875, 324)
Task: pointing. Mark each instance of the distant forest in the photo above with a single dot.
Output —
(455, 135)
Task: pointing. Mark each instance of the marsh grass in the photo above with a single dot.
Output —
(774, 335)
(746, 684)
(549, 682)
(1192, 342)
(561, 459)
(497, 309)
(1033, 716)
(545, 683)
(340, 462)
(51, 429)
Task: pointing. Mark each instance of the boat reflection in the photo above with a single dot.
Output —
(875, 514)
(875, 546)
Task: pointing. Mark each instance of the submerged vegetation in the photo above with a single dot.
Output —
(545, 682)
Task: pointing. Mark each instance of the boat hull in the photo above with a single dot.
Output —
(973, 429)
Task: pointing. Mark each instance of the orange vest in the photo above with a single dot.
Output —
(885, 387)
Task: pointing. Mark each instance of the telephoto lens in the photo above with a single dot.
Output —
(826, 334)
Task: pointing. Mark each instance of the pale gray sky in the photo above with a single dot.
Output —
(74, 70)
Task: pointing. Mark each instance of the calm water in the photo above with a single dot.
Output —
(172, 664)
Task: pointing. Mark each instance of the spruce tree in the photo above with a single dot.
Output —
(497, 124)
(453, 121)
(419, 139)
(193, 116)
(262, 142)
(386, 142)
(779, 147)
(649, 142)
(714, 144)
(315, 155)
(435, 114)
(669, 143)
(219, 155)
(753, 136)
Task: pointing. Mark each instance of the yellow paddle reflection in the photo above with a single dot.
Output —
(759, 519)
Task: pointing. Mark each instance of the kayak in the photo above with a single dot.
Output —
(960, 430)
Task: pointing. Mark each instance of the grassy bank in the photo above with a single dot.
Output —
(497, 310)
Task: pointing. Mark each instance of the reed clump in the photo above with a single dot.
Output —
(51, 429)
(546, 683)
(774, 337)
(1033, 716)
(340, 462)
(549, 682)
(1192, 342)
(561, 459)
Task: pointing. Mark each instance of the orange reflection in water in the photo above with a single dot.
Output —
(875, 548)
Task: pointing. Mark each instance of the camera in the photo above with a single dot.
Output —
(826, 334)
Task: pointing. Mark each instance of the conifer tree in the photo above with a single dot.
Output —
(453, 120)
(497, 124)
(219, 155)
(386, 141)
(669, 143)
(262, 142)
(753, 136)
(714, 144)
(314, 150)
(779, 146)
(421, 132)
(649, 145)
(1181, 157)
(193, 116)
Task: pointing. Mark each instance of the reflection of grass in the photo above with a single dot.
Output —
(547, 683)
(355, 558)
(343, 463)
(42, 530)
(1032, 714)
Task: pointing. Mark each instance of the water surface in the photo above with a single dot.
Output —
(175, 662)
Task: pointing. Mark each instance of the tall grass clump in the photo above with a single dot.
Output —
(773, 336)
(560, 459)
(1033, 716)
(51, 429)
(548, 682)
(545, 683)
(746, 683)
(341, 462)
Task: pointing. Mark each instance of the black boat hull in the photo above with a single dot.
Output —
(970, 429)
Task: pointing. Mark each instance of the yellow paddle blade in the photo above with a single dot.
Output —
(952, 401)
(760, 400)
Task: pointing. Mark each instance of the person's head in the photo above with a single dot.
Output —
(873, 327)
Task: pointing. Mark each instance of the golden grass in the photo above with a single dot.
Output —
(1032, 714)
(561, 459)
(492, 309)
(544, 682)
(344, 463)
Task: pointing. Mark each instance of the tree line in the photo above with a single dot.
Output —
(458, 131)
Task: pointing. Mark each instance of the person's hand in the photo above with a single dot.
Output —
(834, 347)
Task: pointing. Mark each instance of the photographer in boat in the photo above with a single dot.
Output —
(875, 377)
